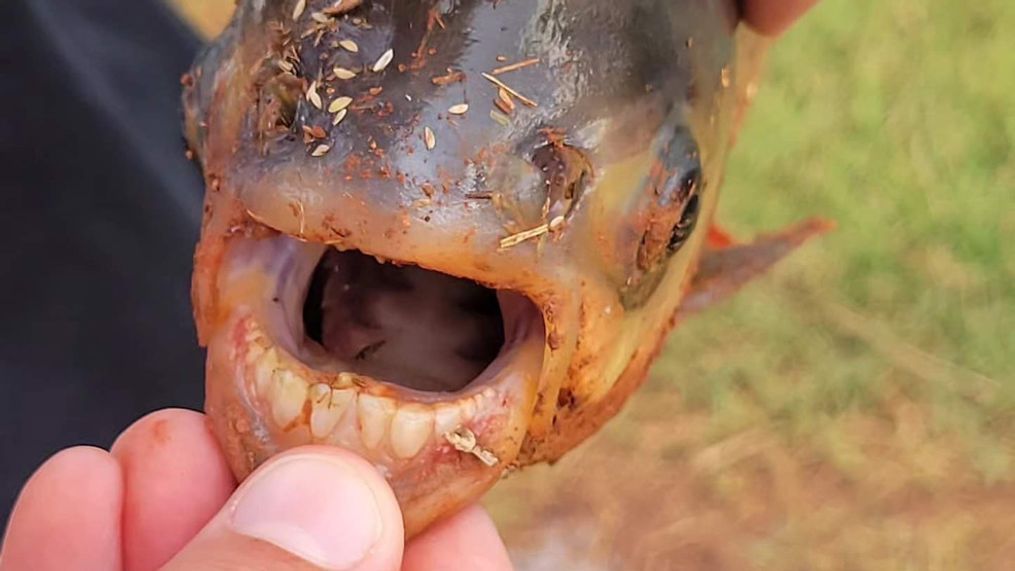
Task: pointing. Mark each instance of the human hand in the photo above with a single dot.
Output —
(772, 17)
(164, 498)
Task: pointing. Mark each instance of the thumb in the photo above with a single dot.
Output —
(311, 508)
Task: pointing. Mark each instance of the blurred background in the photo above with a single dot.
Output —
(856, 409)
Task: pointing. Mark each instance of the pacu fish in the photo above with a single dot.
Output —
(452, 236)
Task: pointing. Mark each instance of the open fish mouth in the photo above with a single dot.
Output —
(421, 330)
(416, 370)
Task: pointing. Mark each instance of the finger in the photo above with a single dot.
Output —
(311, 508)
(467, 542)
(67, 516)
(175, 480)
(772, 17)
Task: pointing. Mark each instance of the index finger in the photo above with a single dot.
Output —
(467, 540)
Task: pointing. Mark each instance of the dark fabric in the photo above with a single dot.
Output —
(98, 222)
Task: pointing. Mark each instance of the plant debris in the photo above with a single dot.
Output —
(339, 104)
(313, 97)
(515, 66)
(314, 133)
(341, 7)
(429, 139)
(452, 76)
(523, 236)
(343, 73)
(383, 61)
(508, 88)
(504, 102)
(301, 5)
(464, 440)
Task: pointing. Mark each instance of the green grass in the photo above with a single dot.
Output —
(898, 121)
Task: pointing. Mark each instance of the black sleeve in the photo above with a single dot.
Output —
(98, 222)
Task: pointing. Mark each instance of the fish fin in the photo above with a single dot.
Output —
(723, 271)
(719, 237)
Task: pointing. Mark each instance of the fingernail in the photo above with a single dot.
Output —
(314, 507)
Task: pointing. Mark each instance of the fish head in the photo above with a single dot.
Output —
(449, 236)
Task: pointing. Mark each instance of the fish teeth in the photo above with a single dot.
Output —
(407, 428)
(289, 392)
(410, 429)
(264, 372)
(468, 407)
(328, 406)
(319, 392)
(253, 355)
(374, 416)
(446, 419)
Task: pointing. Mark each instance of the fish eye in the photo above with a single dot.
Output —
(663, 217)
(689, 216)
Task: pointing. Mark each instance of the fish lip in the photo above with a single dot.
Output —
(289, 261)
(497, 406)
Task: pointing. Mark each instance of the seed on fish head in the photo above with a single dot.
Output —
(383, 61)
(313, 97)
(458, 109)
(504, 97)
(343, 73)
(349, 46)
(429, 139)
(321, 18)
(339, 104)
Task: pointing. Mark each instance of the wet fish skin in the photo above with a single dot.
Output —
(617, 142)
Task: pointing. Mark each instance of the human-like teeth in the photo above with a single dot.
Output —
(446, 419)
(288, 394)
(328, 406)
(410, 429)
(374, 415)
(343, 414)
(467, 408)
(264, 372)
(254, 353)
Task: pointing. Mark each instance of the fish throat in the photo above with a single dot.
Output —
(402, 324)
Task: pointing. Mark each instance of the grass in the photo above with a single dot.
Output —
(896, 120)
(855, 410)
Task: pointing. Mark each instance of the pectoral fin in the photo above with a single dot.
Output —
(724, 270)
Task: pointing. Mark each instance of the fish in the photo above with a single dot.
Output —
(452, 237)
